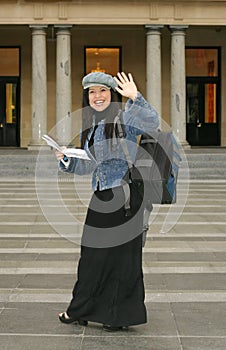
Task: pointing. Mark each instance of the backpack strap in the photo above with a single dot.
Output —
(125, 185)
(121, 135)
(126, 188)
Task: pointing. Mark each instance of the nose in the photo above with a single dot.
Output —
(97, 93)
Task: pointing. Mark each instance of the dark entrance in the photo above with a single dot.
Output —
(203, 97)
(9, 111)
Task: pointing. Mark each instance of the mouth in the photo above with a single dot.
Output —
(99, 102)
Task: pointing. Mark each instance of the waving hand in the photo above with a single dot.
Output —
(126, 86)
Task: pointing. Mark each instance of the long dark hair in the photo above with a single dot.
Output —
(88, 112)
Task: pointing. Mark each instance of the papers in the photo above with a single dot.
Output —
(69, 152)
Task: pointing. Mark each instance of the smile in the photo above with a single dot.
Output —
(99, 102)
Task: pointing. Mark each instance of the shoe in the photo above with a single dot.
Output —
(108, 328)
(64, 319)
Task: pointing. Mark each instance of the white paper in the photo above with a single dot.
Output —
(69, 152)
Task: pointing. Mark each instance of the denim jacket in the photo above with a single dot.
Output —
(110, 165)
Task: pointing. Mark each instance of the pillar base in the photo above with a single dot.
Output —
(37, 146)
(185, 145)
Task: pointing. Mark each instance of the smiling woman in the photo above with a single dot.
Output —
(110, 287)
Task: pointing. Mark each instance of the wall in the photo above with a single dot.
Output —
(132, 39)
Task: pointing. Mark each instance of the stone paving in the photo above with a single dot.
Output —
(184, 271)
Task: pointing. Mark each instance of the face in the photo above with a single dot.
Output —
(99, 98)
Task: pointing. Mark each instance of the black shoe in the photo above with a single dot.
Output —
(109, 328)
(63, 319)
(83, 322)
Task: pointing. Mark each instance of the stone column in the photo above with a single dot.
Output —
(153, 64)
(178, 81)
(63, 84)
(39, 86)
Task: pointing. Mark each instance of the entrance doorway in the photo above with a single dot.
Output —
(9, 97)
(203, 97)
(9, 112)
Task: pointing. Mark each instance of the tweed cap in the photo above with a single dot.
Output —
(99, 79)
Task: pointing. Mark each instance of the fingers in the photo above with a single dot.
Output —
(59, 155)
(117, 81)
(130, 77)
(126, 86)
(122, 78)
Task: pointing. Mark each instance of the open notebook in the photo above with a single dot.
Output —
(69, 152)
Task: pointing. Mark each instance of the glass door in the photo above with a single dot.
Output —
(9, 112)
(203, 96)
(202, 113)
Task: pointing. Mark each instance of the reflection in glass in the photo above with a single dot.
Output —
(102, 59)
(201, 62)
(193, 108)
(10, 103)
(210, 103)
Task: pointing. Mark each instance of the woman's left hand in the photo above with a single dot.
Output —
(126, 86)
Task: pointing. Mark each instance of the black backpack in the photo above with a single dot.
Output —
(154, 171)
(156, 166)
(157, 161)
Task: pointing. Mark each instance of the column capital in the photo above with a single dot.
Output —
(63, 28)
(178, 29)
(38, 27)
(154, 28)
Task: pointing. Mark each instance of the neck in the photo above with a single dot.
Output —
(101, 115)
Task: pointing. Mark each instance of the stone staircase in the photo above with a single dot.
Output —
(201, 163)
(207, 163)
(21, 163)
(184, 267)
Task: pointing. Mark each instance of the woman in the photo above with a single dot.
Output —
(109, 287)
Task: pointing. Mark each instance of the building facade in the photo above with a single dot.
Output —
(176, 51)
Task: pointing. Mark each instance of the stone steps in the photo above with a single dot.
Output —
(20, 163)
(184, 271)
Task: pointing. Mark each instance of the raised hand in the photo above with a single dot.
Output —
(60, 155)
(126, 86)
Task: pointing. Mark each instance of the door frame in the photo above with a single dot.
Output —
(202, 80)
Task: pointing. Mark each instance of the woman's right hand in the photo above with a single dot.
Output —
(60, 155)
(126, 86)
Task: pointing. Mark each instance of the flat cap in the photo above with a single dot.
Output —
(100, 79)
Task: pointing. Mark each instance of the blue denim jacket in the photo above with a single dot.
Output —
(110, 165)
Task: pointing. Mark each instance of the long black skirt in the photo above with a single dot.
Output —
(109, 287)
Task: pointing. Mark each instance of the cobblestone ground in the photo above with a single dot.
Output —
(184, 271)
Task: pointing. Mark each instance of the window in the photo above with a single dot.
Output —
(202, 62)
(9, 62)
(102, 59)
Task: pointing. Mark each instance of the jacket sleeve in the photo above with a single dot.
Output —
(78, 166)
(140, 115)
